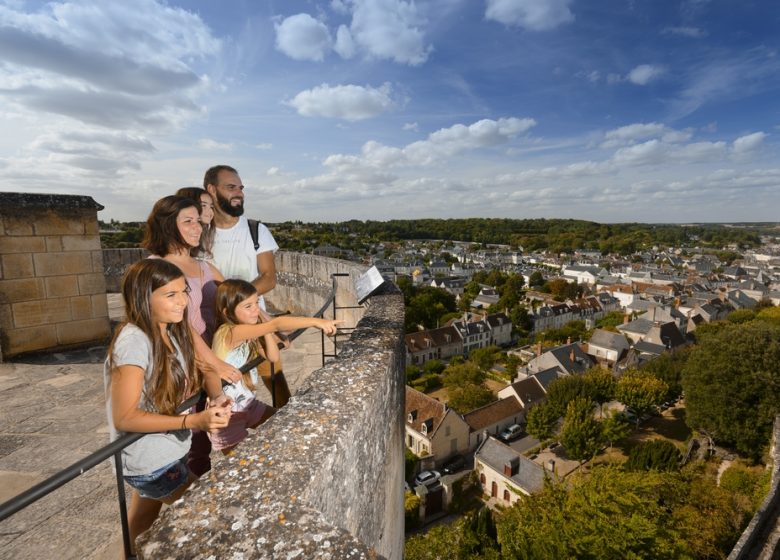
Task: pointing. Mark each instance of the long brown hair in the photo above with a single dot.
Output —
(207, 237)
(169, 380)
(162, 233)
(230, 293)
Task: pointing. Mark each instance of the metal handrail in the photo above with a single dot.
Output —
(44, 488)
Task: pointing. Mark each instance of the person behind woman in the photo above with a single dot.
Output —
(202, 197)
(237, 341)
(173, 231)
(149, 371)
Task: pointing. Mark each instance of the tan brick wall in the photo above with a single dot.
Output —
(62, 286)
(17, 266)
(23, 289)
(52, 287)
(56, 264)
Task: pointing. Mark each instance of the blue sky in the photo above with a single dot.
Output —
(613, 111)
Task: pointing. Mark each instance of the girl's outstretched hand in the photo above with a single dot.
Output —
(214, 417)
(329, 326)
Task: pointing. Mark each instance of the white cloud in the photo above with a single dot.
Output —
(411, 126)
(390, 29)
(630, 134)
(264, 146)
(692, 32)
(93, 82)
(656, 152)
(749, 142)
(645, 73)
(348, 102)
(273, 171)
(302, 37)
(208, 144)
(345, 45)
(534, 15)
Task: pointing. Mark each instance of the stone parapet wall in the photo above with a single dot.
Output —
(52, 288)
(323, 478)
(115, 262)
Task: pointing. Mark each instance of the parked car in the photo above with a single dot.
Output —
(454, 465)
(512, 432)
(427, 478)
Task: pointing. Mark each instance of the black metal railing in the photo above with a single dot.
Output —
(44, 488)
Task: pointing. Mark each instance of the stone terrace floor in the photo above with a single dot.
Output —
(53, 414)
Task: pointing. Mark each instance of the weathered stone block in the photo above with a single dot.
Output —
(92, 283)
(62, 286)
(58, 264)
(23, 289)
(99, 305)
(97, 261)
(80, 243)
(29, 339)
(53, 243)
(6, 317)
(91, 225)
(83, 331)
(22, 244)
(17, 266)
(17, 225)
(81, 308)
(32, 313)
(51, 223)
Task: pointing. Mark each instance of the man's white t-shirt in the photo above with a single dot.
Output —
(234, 252)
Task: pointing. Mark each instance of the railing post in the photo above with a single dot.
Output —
(120, 490)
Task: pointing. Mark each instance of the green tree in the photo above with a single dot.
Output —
(668, 367)
(655, 455)
(608, 514)
(542, 421)
(600, 384)
(434, 366)
(640, 391)
(614, 428)
(581, 433)
(461, 374)
(732, 384)
(465, 398)
(610, 321)
(536, 280)
(485, 358)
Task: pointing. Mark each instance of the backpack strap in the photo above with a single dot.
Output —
(254, 227)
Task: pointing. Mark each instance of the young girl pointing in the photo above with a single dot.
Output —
(240, 338)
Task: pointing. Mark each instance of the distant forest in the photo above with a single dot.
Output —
(556, 235)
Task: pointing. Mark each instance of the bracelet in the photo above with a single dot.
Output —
(184, 422)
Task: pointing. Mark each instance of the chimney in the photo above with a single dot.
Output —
(568, 340)
(571, 355)
(508, 470)
(550, 465)
(539, 348)
(626, 319)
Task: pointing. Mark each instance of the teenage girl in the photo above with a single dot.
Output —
(149, 371)
(237, 341)
(202, 197)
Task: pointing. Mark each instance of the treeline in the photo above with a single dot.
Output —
(557, 235)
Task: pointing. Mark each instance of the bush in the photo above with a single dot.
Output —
(412, 373)
(656, 455)
(411, 510)
(427, 382)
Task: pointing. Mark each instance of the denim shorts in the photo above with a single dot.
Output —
(161, 483)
